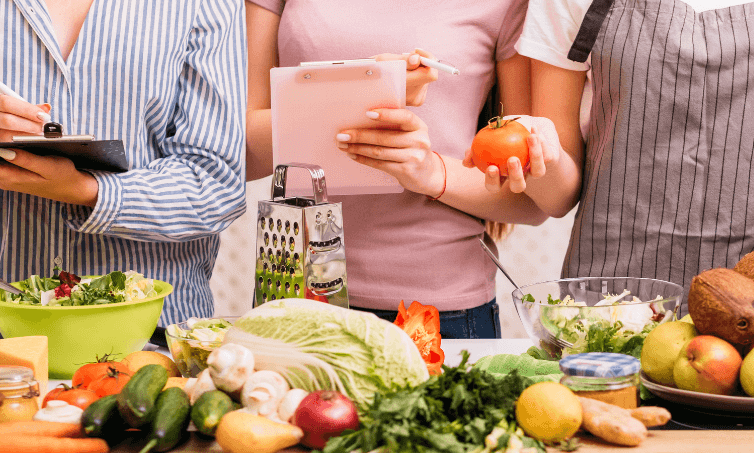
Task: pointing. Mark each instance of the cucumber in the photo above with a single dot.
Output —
(101, 419)
(136, 401)
(209, 409)
(170, 420)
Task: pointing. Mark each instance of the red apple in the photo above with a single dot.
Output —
(707, 364)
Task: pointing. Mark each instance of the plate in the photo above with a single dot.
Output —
(697, 399)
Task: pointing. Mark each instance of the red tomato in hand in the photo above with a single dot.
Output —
(72, 395)
(499, 141)
(109, 384)
(90, 372)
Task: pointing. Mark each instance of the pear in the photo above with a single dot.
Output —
(661, 349)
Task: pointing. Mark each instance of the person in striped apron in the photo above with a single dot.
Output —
(666, 173)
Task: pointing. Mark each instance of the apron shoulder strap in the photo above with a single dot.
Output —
(590, 28)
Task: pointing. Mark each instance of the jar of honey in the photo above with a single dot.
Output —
(605, 376)
(18, 393)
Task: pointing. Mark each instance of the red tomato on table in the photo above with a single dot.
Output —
(74, 396)
(90, 372)
(111, 383)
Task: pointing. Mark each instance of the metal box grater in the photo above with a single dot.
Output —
(300, 247)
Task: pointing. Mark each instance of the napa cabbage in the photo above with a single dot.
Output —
(320, 346)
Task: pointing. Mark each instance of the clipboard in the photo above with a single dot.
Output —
(85, 152)
(313, 102)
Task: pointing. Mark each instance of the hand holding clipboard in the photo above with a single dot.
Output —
(83, 150)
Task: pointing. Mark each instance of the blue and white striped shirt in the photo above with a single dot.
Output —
(168, 77)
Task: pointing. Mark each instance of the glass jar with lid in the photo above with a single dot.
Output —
(18, 393)
(605, 376)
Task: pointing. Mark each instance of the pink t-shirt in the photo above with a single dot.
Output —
(403, 246)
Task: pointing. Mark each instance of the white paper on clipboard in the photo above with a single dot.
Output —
(311, 104)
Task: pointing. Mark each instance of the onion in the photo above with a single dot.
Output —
(324, 414)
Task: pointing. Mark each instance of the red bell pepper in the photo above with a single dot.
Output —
(422, 324)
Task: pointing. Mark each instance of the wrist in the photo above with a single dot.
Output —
(439, 180)
(89, 193)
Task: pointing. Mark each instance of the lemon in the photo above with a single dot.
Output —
(548, 411)
(747, 373)
(687, 319)
(661, 349)
(138, 359)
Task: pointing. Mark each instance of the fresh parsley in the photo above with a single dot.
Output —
(450, 413)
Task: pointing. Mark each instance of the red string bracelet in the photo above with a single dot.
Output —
(445, 178)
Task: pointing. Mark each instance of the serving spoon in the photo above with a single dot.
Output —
(497, 263)
(549, 337)
(8, 287)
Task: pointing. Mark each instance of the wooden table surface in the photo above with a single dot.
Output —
(659, 441)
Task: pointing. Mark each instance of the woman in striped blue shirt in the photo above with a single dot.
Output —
(165, 76)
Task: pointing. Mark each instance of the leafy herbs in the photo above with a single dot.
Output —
(450, 413)
(69, 289)
(594, 329)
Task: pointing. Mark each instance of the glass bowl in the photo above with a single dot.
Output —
(592, 324)
(190, 354)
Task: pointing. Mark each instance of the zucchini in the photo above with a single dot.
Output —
(209, 409)
(170, 420)
(136, 401)
(101, 419)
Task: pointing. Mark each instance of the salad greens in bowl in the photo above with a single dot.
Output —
(190, 342)
(84, 317)
(594, 314)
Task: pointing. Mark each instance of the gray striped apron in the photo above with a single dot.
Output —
(667, 188)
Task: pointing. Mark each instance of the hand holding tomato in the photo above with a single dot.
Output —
(498, 142)
(543, 151)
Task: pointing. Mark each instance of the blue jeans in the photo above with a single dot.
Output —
(478, 322)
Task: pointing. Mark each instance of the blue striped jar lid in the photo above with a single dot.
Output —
(599, 364)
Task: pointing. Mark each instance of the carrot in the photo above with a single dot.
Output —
(46, 444)
(40, 428)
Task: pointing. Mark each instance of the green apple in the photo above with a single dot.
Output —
(687, 319)
(708, 364)
(747, 373)
(661, 348)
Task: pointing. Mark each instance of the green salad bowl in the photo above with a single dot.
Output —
(77, 335)
(598, 323)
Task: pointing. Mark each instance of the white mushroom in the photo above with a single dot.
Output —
(230, 366)
(195, 387)
(263, 392)
(289, 404)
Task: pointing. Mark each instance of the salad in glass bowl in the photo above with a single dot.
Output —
(190, 342)
(594, 314)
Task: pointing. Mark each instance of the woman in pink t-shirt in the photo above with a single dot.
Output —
(422, 244)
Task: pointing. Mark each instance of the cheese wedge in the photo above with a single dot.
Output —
(30, 352)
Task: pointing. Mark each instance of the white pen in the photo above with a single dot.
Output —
(439, 66)
(8, 92)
